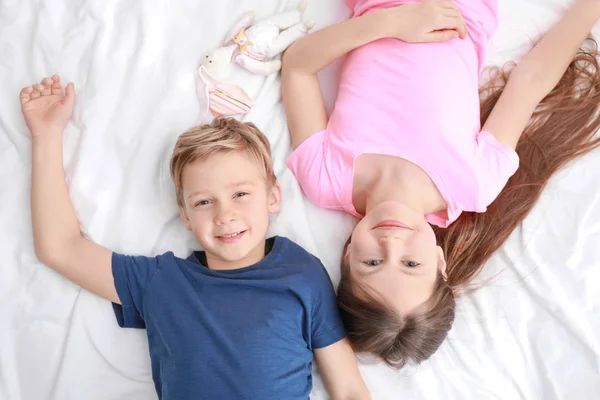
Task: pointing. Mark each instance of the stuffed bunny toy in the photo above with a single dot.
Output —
(252, 45)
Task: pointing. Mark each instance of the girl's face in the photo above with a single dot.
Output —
(393, 251)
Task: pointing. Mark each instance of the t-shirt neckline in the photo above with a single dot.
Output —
(272, 249)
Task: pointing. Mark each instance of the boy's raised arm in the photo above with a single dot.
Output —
(56, 233)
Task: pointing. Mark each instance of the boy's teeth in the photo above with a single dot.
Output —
(230, 236)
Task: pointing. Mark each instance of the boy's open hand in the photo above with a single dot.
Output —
(426, 21)
(45, 107)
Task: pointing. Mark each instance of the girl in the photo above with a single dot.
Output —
(404, 148)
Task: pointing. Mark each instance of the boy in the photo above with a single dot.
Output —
(239, 320)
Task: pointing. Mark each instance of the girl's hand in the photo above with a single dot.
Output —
(426, 21)
(45, 107)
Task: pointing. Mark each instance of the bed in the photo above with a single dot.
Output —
(533, 332)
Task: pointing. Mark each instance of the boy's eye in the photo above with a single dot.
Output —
(373, 263)
(241, 194)
(411, 264)
(202, 203)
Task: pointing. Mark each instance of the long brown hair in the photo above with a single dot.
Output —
(562, 129)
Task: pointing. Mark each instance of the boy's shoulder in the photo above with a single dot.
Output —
(294, 256)
(292, 251)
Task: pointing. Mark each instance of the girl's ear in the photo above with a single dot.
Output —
(442, 263)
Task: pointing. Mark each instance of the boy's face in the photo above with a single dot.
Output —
(227, 207)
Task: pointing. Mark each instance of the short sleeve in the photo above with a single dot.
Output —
(497, 162)
(326, 324)
(132, 275)
(306, 163)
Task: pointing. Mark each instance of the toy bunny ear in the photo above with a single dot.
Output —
(245, 21)
(202, 88)
(222, 98)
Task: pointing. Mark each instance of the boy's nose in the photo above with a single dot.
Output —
(224, 215)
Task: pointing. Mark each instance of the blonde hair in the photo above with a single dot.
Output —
(223, 135)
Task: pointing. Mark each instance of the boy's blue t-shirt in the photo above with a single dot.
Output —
(240, 334)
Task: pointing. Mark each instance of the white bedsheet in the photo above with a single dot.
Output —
(533, 333)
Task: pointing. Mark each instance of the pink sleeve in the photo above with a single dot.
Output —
(497, 162)
(306, 163)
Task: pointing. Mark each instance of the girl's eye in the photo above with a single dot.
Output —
(241, 194)
(373, 263)
(202, 203)
(411, 264)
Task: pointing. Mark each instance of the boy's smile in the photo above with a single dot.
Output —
(231, 237)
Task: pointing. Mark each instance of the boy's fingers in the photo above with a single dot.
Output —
(56, 88)
(25, 94)
(55, 84)
(70, 94)
(46, 81)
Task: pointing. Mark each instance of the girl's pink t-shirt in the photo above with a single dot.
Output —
(419, 102)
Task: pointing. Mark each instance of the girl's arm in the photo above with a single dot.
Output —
(432, 20)
(339, 369)
(540, 71)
